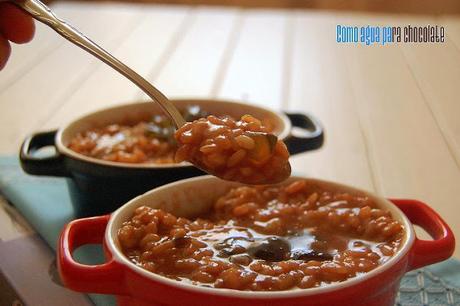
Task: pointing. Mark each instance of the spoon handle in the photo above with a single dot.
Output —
(42, 13)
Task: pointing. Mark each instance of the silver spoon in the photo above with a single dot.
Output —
(42, 13)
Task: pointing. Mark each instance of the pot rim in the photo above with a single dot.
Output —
(119, 257)
(63, 149)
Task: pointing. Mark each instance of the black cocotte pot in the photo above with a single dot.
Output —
(98, 187)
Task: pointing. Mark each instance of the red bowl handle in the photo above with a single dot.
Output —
(105, 278)
(427, 252)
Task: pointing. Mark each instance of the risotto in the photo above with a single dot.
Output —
(144, 141)
(153, 141)
(242, 151)
(265, 238)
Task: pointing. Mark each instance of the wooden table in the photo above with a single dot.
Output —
(391, 113)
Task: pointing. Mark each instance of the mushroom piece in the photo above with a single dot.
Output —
(270, 249)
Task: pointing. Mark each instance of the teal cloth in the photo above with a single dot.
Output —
(45, 203)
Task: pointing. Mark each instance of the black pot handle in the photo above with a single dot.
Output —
(49, 165)
(306, 134)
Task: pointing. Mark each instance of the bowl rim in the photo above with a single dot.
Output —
(63, 149)
(119, 257)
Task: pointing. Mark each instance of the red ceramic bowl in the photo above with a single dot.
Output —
(192, 197)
